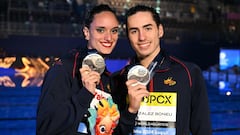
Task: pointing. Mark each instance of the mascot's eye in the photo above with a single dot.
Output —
(102, 129)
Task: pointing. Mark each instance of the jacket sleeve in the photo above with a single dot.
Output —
(119, 94)
(61, 105)
(200, 114)
(126, 123)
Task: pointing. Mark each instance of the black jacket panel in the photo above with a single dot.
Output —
(64, 102)
(193, 115)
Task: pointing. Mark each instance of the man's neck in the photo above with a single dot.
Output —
(148, 59)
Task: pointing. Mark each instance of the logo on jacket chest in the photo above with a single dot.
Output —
(169, 81)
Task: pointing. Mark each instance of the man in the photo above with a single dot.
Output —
(69, 88)
(175, 101)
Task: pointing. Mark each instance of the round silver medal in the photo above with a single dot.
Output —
(139, 73)
(95, 62)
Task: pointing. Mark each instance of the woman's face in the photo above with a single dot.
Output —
(102, 33)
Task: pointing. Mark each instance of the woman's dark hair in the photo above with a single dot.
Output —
(143, 8)
(95, 10)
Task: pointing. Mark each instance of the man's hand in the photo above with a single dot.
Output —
(136, 92)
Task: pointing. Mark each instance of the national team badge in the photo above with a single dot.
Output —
(169, 81)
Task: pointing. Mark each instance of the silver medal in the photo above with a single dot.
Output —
(139, 73)
(95, 62)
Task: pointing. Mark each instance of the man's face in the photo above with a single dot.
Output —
(144, 34)
(103, 32)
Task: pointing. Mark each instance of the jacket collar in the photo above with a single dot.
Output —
(162, 60)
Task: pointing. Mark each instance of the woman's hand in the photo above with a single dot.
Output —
(90, 78)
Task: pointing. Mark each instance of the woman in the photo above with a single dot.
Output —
(69, 87)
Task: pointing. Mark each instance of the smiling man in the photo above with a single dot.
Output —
(176, 96)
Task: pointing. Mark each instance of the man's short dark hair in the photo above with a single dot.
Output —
(143, 8)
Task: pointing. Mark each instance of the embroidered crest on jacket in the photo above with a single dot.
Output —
(169, 81)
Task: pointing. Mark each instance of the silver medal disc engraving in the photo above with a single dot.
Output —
(95, 62)
(139, 73)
